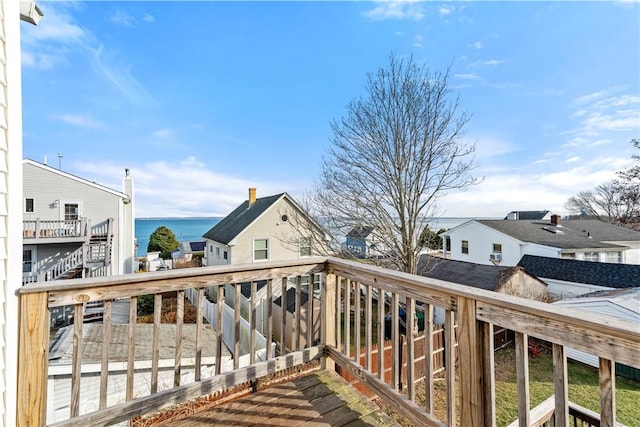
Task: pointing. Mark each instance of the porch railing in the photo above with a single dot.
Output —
(345, 322)
(45, 229)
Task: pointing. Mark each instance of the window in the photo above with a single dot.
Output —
(211, 249)
(591, 256)
(260, 249)
(218, 253)
(28, 205)
(226, 255)
(465, 246)
(27, 260)
(497, 248)
(568, 255)
(71, 211)
(614, 257)
(305, 246)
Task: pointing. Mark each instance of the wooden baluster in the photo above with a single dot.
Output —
(219, 326)
(489, 374)
(329, 316)
(396, 361)
(338, 309)
(368, 324)
(381, 327)
(560, 386)
(356, 322)
(410, 314)
(177, 367)
(607, 393)
(199, 326)
(252, 317)
(76, 371)
(157, 321)
(310, 334)
(297, 323)
(428, 357)
(131, 358)
(104, 362)
(283, 321)
(522, 372)
(450, 364)
(236, 327)
(347, 318)
(269, 326)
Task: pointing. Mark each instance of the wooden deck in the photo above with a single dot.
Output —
(321, 398)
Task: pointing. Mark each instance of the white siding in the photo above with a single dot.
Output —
(10, 203)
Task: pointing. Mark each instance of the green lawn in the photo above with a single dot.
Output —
(583, 388)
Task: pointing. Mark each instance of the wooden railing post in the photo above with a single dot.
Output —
(329, 315)
(470, 350)
(33, 357)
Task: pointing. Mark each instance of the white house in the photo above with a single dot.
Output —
(567, 278)
(270, 228)
(504, 242)
(73, 227)
(621, 303)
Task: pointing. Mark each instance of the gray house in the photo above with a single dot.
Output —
(73, 227)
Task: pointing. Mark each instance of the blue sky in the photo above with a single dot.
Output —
(201, 100)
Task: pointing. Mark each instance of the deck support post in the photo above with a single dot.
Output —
(470, 348)
(33, 345)
(329, 318)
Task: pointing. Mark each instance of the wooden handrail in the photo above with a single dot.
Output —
(469, 313)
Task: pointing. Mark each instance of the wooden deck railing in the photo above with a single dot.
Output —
(348, 299)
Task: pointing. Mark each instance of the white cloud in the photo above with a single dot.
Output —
(476, 45)
(123, 18)
(148, 18)
(467, 76)
(80, 120)
(396, 9)
(162, 133)
(179, 188)
(573, 159)
(493, 61)
(445, 10)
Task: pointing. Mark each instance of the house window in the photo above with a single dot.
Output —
(225, 255)
(218, 253)
(260, 249)
(28, 205)
(465, 246)
(27, 260)
(71, 212)
(614, 257)
(497, 248)
(211, 249)
(591, 256)
(568, 255)
(305, 246)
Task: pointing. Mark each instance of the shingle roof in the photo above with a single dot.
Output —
(245, 288)
(360, 232)
(196, 246)
(465, 273)
(572, 234)
(234, 223)
(594, 273)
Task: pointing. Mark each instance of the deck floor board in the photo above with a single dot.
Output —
(319, 399)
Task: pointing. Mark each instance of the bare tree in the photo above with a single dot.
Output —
(395, 152)
(616, 201)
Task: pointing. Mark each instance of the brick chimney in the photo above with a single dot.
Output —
(252, 196)
(555, 220)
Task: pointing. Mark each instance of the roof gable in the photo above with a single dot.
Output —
(594, 273)
(241, 217)
(360, 232)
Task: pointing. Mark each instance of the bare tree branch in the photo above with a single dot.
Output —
(397, 150)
